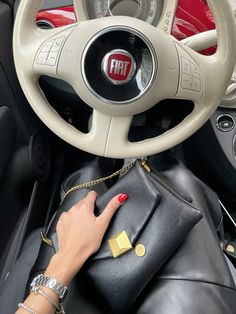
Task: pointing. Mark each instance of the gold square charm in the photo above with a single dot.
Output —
(120, 244)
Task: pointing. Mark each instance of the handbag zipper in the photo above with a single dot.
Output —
(145, 165)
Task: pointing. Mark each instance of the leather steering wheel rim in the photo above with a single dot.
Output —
(111, 122)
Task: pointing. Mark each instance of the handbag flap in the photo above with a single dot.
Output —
(135, 213)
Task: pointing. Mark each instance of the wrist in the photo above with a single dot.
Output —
(64, 267)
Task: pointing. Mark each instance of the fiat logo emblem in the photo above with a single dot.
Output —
(118, 66)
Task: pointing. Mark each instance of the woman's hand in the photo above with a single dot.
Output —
(80, 235)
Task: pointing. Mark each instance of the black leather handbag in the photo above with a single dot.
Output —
(142, 236)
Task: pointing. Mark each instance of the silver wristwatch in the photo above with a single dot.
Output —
(50, 283)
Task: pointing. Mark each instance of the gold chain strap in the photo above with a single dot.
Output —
(87, 185)
(97, 181)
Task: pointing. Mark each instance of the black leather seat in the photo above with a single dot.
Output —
(196, 279)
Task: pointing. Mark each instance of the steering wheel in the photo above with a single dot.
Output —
(122, 66)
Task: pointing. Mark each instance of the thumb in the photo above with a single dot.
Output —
(111, 209)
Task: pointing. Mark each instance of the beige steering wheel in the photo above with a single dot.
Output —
(164, 69)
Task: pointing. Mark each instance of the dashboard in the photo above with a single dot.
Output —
(148, 11)
(181, 18)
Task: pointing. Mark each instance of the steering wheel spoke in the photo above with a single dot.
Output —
(50, 49)
(203, 79)
(191, 75)
(113, 133)
(36, 49)
(118, 136)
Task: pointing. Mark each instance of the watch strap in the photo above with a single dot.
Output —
(51, 283)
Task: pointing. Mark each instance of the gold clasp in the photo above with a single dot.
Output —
(120, 244)
(45, 239)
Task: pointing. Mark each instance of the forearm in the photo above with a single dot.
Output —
(61, 268)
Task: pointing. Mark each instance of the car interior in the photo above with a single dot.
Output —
(69, 114)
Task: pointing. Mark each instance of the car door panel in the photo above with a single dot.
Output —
(7, 136)
(23, 199)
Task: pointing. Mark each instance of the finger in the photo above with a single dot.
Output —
(61, 222)
(60, 232)
(90, 200)
(77, 206)
(60, 229)
(111, 209)
(62, 217)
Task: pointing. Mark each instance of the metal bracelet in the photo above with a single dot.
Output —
(58, 306)
(25, 307)
(37, 290)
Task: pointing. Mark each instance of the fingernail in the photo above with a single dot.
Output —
(122, 198)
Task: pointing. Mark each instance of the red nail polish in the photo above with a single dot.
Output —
(122, 198)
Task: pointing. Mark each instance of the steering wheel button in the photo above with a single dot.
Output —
(186, 65)
(42, 58)
(186, 81)
(46, 47)
(196, 85)
(52, 58)
(57, 44)
(195, 71)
